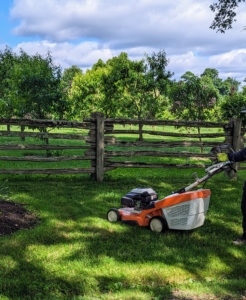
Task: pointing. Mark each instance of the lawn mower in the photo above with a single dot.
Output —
(182, 210)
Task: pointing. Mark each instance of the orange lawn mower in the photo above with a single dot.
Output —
(182, 210)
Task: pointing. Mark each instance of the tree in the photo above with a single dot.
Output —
(122, 87)
(87, 94)
(224, 14)
(140, 86)
(7, 61)
(120, 71)
(66, 86)
(35, 87)
(233, 105)
(194, 98)
(103, 88)
(29, 85)
(212, 73)
(233, 83)
(158, 77)
(224, 87)
(244, 90)
(67, 78)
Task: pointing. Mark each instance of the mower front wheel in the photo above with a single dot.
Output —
(113, 215)
(158, 224)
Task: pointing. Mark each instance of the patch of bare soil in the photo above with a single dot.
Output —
(14, 217)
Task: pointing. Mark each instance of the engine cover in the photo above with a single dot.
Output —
(139, 197)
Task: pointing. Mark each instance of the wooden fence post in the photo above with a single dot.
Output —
(236, 139)
(99, 145)
(236, 142)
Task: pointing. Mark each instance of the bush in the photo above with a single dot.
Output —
(233, 105)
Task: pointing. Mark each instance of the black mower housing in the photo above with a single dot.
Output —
(139, 197)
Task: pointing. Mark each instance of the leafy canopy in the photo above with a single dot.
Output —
(224, 14)
(194, 98)
(7, 60)
(233, 105)
(122, 87)
(30, 85)
(224, 86)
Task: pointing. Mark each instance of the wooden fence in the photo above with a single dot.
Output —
(101, 143)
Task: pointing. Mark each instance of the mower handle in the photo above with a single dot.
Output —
(218, 149)
(211, 171)
(233, 169)
(216, 168)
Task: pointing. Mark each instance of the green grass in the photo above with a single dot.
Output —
(75, 253)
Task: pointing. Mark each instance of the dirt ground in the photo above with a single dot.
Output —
(14, 217)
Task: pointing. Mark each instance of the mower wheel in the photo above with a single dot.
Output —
(113, 215)
(158, 224)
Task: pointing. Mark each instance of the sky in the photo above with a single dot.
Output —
(79, 32)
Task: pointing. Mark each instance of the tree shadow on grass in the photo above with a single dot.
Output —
(73, 211)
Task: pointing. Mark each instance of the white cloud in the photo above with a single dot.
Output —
(82, 31)
(176, 27)
(86, 54)
(129, 21)
(83, 55)
(230, 64)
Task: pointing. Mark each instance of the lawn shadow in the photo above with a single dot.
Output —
(73, 210)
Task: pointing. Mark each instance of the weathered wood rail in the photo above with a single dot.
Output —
(44, 126)
(100, 143)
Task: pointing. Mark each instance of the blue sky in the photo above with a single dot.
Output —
(79, 32)
(5, 25)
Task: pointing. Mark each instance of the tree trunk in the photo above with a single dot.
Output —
(200, 139)
(22, 130)
(140, 132)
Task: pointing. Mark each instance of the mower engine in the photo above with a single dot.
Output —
(139, 198)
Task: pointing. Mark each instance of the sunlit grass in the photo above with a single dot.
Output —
(75, 253)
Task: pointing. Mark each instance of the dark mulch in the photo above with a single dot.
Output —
(14, 217)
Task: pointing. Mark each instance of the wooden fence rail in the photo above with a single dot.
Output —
(40, 130)
(106, 144)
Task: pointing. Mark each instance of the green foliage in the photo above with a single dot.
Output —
(212, 73)
(225, 14)
(68, 75)
(224, 86)
(145, 85)
(233, 105)
(123, 88)
(33, 86)
(7, 61)
(30, 85)
(194, 98)
(244, 90)
(66, 85)
(233, 83)
(35, 83)
(87, 93)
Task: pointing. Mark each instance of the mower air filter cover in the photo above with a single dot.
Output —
(145, 195)
(129, 202)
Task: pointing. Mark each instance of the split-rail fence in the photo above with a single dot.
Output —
(100, 143)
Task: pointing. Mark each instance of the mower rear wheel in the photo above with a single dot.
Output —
(113, 215)
(158, 224)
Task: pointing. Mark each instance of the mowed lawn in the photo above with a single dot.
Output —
(75, 253)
